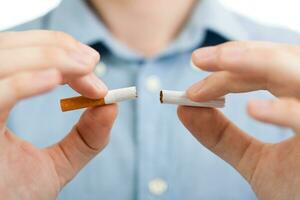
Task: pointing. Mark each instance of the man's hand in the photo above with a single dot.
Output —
(273, 170)
(32, 63)
(247, 66)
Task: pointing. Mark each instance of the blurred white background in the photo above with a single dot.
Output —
(276, 12)
(13, 12)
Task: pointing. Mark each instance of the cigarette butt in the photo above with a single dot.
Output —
(180, 98)
(113, 96)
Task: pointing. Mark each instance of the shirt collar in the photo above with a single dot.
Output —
(78, 20)
(211, 14)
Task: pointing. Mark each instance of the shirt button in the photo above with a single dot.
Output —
(157, 186)
(100, 69)
(153, 83)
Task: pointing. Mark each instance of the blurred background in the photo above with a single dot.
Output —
(275, 12)
(279, 13)
(13, 12)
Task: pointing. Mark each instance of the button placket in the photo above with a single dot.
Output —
(149, 83)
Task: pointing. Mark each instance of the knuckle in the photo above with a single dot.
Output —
(64, 39)
(87, 69)
(49, 55)
(61, 36)
(229, 82)
(225, 83)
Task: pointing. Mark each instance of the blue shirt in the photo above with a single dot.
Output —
(151, 155)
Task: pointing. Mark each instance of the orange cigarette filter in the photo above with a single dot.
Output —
(79, 102)
(113, 96)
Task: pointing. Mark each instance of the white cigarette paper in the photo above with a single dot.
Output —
(113, 96)
(118, 95)
(180, 98)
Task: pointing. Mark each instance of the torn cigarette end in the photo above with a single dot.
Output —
(180, 98)
(113, 96)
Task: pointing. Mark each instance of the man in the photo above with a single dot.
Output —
(148, 44)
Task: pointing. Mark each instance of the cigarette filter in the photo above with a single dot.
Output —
(113, 96)
(180, 98)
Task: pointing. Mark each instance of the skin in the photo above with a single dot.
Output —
(271, 169)
(45, 60)
(136, 25)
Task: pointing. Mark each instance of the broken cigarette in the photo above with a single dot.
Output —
(180, 98)
(113, 96)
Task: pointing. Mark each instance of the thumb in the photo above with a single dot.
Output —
(88, 137)
(222, 137)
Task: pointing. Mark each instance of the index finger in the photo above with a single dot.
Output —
(241, 57)
(247, 66)
(89, 86)
(222, 83)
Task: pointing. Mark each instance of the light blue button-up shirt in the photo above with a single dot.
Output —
(148, 141)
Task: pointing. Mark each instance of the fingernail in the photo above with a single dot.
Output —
(51, 75)
(99, 84)
(89, 51)
(206, 53)
(86, 55)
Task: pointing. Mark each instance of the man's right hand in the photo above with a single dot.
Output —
(32, 63)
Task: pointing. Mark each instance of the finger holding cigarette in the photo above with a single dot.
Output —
(124, 94)
(113, 96)
(180, 98)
